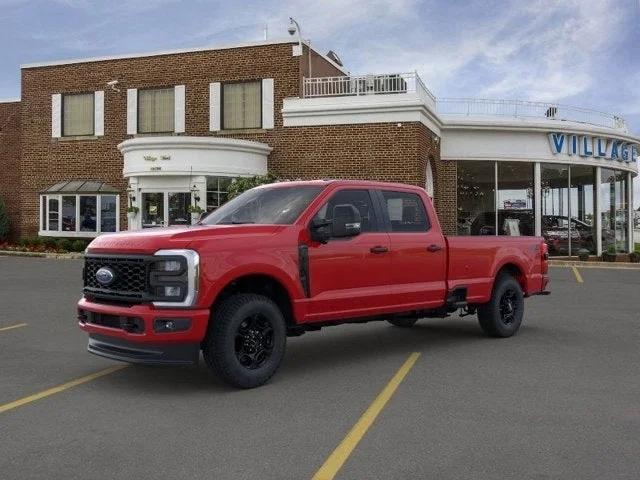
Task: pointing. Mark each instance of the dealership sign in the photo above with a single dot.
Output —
(590, 146)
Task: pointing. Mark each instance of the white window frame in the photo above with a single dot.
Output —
(78, 233)
(57, 108)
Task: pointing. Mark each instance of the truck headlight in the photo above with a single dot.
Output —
(174, 278)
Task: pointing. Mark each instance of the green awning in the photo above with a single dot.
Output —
(81, 186)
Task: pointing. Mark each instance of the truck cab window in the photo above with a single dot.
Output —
(406, 212)
(361, 199)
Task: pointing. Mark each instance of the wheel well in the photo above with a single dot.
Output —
(514, 271)
(260, 285)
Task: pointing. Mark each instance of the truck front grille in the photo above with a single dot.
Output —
(130, 278)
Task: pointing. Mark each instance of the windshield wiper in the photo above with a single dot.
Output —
(235, 222)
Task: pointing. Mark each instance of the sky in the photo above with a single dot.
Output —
(576, 52)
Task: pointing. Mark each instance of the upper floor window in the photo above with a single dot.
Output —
(78, 114)
(241, 105)
(156, 110)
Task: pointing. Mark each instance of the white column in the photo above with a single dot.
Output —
(136, 223)
(537, 198)
(598, 213)
(630, 211)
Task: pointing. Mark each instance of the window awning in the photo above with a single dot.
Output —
(81, 186)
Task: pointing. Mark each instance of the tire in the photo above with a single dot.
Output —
(403, 322)
(246, 340)
(502, 315)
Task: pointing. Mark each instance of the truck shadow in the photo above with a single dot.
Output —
(331, 349)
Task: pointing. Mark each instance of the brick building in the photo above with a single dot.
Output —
(161, 131)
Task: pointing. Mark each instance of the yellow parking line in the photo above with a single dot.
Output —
(59, 388)
(577, 274)
(13, 326)
(340, 455)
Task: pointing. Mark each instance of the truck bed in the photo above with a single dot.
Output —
(474, 261)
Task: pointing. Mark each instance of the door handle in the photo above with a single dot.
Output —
(434, 248)
(379, 249)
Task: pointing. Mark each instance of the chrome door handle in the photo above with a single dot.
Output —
(379, 249)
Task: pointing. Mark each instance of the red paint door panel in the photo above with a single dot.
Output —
(418, 251)
(349, 276)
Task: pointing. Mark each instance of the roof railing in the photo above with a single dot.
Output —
(526, 109)
(403, 83)
(356, 85)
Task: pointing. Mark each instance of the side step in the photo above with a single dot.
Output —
(457, 298)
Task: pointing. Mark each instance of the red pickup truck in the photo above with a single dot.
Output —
(286, 258)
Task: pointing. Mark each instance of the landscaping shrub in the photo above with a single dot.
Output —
(65, 244)
(78, 246)
(50, 242)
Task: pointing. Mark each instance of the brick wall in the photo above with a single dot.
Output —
(445, 181)
(383, 151)
(10, 190)
(46, 161)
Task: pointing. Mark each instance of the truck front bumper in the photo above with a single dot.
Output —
(143, 333)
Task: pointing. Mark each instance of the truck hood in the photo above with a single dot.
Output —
(149, 241)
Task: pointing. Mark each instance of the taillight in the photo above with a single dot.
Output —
(544, 250)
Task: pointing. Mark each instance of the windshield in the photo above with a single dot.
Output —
(281, 205)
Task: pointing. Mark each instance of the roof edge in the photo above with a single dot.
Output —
(10, 100)
(178, 51)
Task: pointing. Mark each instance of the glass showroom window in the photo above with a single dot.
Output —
(568, 208)
(554, 179)
(614, 210)
(582, 206)
(476, 198)
(156, 110)
(217, 188)
(77, 115)
(242, 105)
(78, 215)
(516, 212)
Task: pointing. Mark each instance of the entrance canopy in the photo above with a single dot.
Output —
(81, 186)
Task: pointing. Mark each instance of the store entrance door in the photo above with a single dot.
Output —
(160, 209)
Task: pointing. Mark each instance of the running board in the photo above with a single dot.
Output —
(457, 299)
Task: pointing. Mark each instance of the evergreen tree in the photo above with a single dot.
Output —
(4, 221)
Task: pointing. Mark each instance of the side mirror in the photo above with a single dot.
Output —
(320, 231)
(347, 221)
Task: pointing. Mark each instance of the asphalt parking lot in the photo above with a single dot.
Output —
(559, 400)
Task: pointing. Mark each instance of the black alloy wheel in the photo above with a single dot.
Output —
(502, 315)
(254, 341)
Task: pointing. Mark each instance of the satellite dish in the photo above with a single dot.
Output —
(334, 56)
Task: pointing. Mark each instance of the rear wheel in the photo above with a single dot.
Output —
(402, 322)
(502, 315)
(246, 340)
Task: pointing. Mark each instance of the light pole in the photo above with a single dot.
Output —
(294, 27)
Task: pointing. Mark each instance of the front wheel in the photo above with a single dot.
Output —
(246, 340)
(502, 315)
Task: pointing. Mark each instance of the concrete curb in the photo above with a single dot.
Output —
(58, 256)
(610, 265)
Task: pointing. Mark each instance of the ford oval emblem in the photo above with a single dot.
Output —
(105, 276)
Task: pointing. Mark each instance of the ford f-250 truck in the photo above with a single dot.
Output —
(286, 258)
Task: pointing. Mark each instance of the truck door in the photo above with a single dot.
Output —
(418, 250)
(349, 277)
